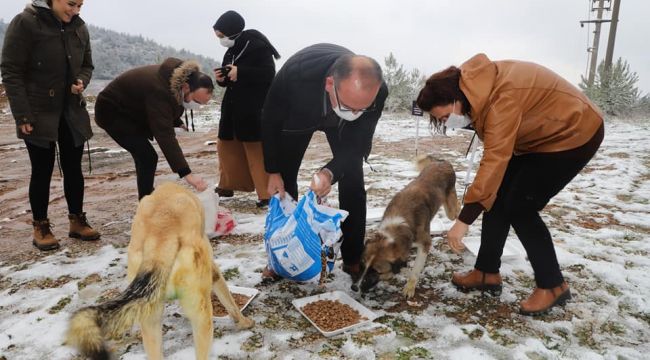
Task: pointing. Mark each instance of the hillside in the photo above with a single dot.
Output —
(114, 53)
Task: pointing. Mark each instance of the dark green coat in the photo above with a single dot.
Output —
(41, 58)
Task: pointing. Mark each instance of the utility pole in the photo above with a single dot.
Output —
(594, 48)
(612, 35)
(593, 61)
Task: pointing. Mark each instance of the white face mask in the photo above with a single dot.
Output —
(226, 42)
(347, 115)
(455, 121)
(192, 105)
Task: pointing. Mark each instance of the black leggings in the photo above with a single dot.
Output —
(529, 183)
(42, 160)
(145, 158)
(352, 192)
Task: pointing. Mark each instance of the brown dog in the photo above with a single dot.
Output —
(407, 221)
(169, 258)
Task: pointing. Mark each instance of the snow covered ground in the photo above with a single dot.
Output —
(600, 224)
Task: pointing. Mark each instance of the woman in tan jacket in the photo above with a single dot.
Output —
(538, 132)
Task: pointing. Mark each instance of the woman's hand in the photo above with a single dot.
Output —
(455, 236)
(78, 87)
(321, 182)
(232, 74)
(26, 128)
(218, 75)
(196, 181)
(276, 184)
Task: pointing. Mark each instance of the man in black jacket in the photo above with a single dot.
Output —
(325, 87)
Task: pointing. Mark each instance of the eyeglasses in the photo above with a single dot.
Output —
(343, 107)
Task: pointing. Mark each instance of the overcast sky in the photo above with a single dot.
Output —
(425, 34)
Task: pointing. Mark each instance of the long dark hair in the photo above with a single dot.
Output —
(443, 88)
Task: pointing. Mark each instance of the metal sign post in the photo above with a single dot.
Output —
(416, 111)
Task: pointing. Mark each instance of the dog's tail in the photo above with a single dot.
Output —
(423, 161)
(91, 325)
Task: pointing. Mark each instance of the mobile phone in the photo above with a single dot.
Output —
(224, 70)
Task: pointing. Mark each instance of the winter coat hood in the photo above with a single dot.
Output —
(40, 3)
(178, 72)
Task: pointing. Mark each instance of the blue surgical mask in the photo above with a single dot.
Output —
(455, 121)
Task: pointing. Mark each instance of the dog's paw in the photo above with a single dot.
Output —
(386, 276)
(245, 323)
(409, 289)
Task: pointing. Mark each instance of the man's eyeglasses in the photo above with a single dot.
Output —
(343, 107)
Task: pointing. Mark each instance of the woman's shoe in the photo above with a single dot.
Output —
(262, 203)
(478, 280)
(542, 300)
(224, 192)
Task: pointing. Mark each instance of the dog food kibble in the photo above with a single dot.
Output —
(219, 310)
(330, 315)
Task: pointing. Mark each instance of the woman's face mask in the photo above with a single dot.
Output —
(228, 41)
(192, 105)
(455, 121)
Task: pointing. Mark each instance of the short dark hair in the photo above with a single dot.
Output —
(343, 68)
(198, 80)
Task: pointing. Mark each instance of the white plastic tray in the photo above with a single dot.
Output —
(510, 250)
(342, 298)
(250, 292)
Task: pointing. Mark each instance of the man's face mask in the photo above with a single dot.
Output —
(455, 121)
(348, 114)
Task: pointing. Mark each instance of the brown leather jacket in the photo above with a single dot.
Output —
(519, 107)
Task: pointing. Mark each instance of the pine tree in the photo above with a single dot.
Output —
(614, 90)
(403, 86)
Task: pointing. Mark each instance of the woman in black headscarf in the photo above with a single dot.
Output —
(247, 70)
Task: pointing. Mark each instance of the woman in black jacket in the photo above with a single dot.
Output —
(46, 64)
(247, 72)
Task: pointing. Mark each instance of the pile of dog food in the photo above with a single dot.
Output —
(330, 315)
(218, 309)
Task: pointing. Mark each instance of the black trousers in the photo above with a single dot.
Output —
(42, 160)
(529, 183)
(352, 192)
(145, 158)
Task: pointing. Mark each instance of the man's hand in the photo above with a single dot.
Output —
(196, 181)
(321, 182)
(78, 87)
(455, 236)
(26, 128)
(276, 185)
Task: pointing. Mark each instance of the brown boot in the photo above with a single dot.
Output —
(478, 280)
(542, 300)
(80, 229)
(43, 237)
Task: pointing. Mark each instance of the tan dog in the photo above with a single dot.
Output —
(169, 257)
(407, 221)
